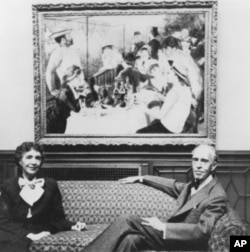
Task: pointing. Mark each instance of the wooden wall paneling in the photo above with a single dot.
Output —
(7, 166)
(93, 170)
(234, 172)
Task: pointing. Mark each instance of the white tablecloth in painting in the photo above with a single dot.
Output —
(111, 121)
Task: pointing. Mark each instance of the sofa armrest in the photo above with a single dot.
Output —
(229, 224)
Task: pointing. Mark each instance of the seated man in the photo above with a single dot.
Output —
(111, 58)
(199, 205)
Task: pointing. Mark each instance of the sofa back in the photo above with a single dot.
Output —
(103, 201)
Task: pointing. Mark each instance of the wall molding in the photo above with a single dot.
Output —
(225, 158)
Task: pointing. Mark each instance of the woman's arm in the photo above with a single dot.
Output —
(169, 102)
(59, 221)
(7, 222)
(58, 218)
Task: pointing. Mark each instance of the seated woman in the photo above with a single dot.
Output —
(144, 60)
(154, 91)
(30, 206)
(172, 115)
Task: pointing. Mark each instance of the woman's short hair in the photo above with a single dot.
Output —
(153, 66)
(25, 147)
(170, 41)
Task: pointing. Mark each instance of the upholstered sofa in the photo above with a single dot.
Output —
(100, 202)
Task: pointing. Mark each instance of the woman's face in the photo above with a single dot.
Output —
(157, 81)
(31, 162)
(144, 54)
(171, 77)
(78, 83)
(169, 51)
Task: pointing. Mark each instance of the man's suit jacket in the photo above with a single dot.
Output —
(194, 218)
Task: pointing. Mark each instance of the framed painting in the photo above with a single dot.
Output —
(131, 73)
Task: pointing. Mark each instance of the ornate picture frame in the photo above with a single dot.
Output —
(111, 106)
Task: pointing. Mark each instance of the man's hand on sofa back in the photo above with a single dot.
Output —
(131, 180)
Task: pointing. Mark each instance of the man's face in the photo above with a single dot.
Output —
(184, 34)
(137, 38)
(202, 163)
(78, 83)
(31, 162)
(107, 51)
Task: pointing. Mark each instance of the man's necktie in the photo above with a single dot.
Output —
(195, 184)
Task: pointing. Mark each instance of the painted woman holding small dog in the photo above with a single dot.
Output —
(173, 113)
(30, 205)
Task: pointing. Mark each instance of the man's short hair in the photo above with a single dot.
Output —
(137, 33)
(211, 149)
(59, 39)
(107, 46)
(58, 35)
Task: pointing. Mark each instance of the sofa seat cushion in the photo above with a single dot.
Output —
(75, 241)
(68, 241)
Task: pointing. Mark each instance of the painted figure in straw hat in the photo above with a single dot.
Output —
(177, 56)
(60, 60)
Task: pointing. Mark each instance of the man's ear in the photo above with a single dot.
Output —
(214, 166)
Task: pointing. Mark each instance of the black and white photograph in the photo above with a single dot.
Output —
(124, 126)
